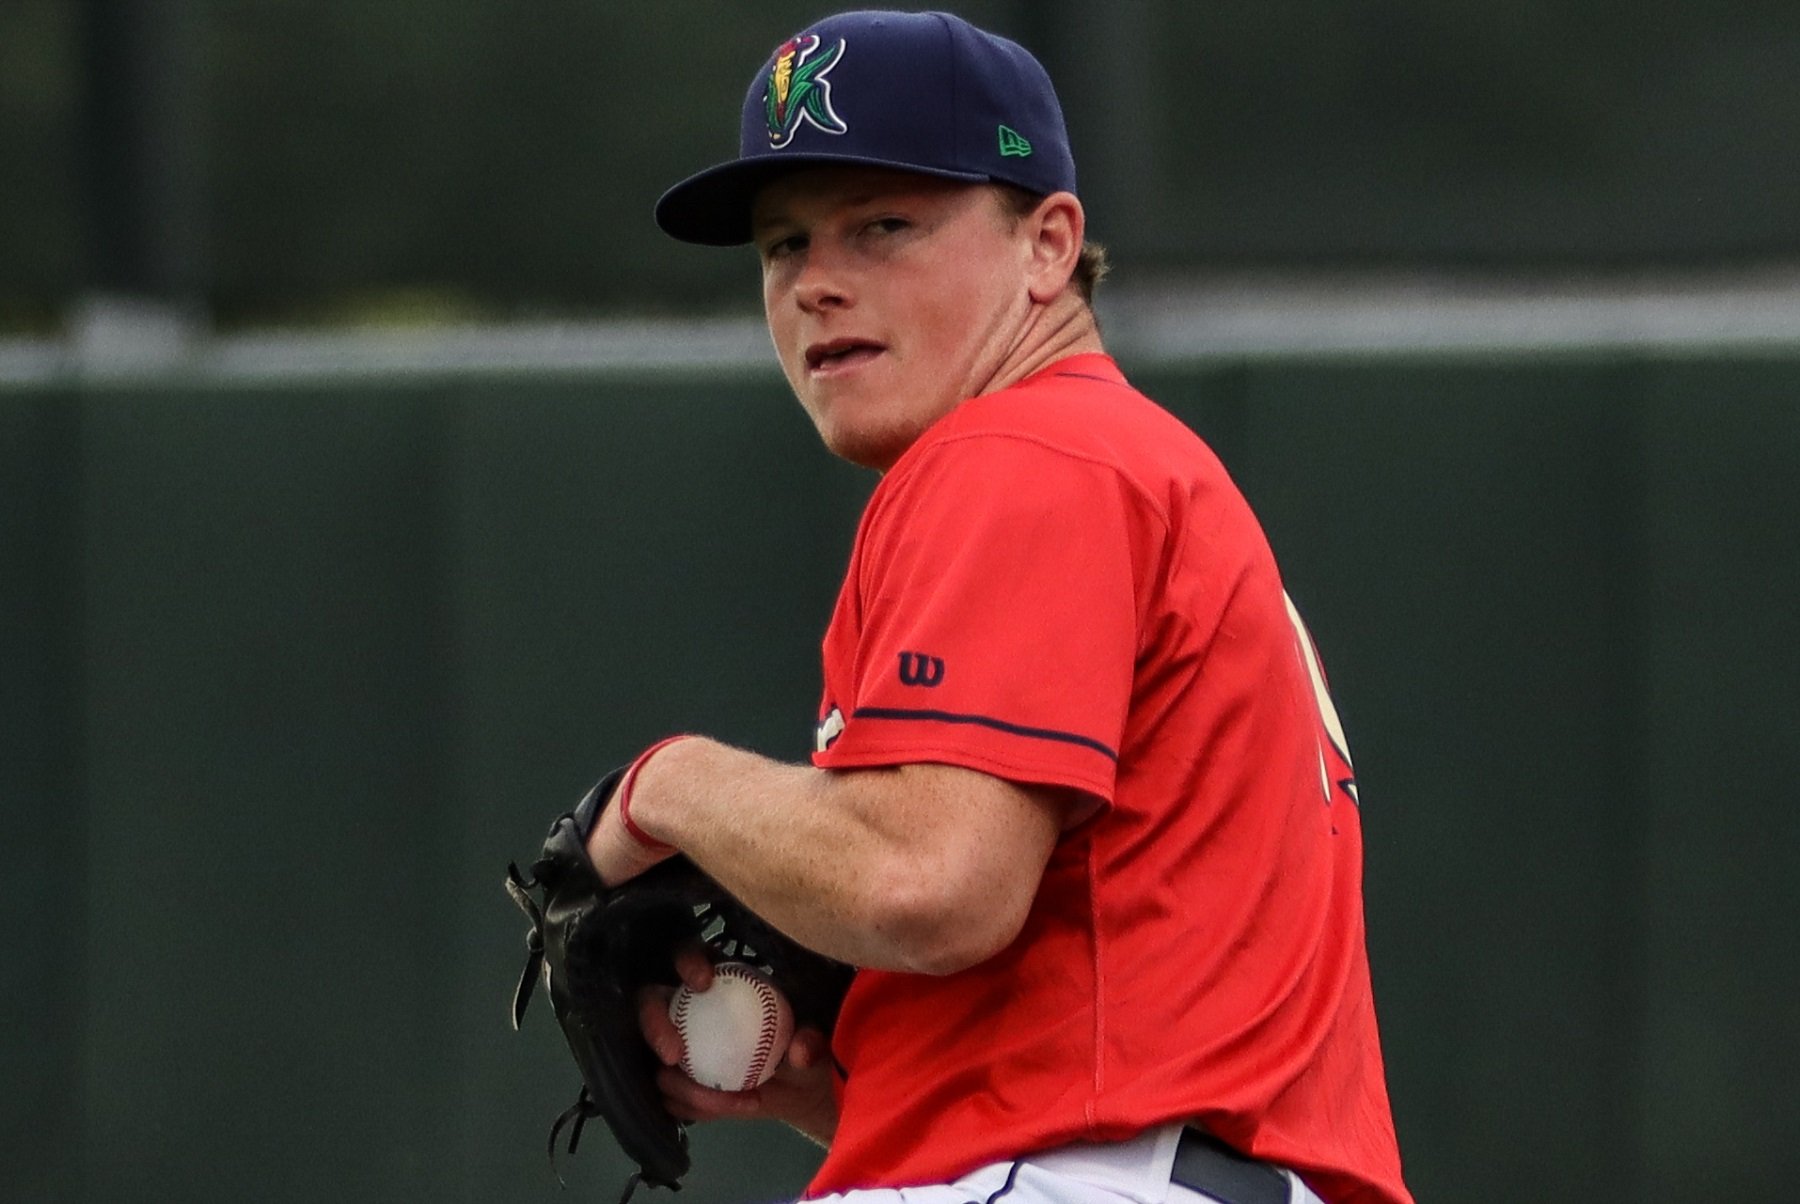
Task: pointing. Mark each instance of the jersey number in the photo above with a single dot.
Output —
(1328, 714)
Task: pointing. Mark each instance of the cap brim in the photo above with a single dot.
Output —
(713, 207)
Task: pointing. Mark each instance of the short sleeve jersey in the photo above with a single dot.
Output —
(1058, 584)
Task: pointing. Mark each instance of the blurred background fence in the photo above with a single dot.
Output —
(372, 478)
(327, 160)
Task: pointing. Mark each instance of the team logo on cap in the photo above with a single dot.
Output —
(799, 92)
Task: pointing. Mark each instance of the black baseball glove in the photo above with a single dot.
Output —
(598, 947)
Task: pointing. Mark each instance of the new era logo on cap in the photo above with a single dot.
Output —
(920, 92)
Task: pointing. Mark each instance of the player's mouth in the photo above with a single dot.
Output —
(841, 355)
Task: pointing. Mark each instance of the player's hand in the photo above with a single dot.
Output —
(798, 1093)
(695, 970)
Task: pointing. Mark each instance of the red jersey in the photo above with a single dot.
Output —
(1058, 584)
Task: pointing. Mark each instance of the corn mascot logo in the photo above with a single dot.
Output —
(798, 90)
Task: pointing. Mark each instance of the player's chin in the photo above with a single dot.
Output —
(869, 444)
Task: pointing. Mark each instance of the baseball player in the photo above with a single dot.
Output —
(1079, 809)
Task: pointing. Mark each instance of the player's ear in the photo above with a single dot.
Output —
(1055, 229)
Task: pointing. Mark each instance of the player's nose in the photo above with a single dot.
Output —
(823, 280)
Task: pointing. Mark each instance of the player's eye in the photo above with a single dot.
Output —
(889, 225)
(783, 246)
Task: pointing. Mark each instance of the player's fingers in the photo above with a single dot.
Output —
(660, 1031)
(682, 1095)
(809, 1048)
(695, 970)
(681, 1107)
(693, 966)
(799, 1095)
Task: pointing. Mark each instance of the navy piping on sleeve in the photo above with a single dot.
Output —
(1035, 733)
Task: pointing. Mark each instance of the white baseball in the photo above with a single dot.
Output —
(735, 1032)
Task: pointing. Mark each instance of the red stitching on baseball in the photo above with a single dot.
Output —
(682, 999)
(768, 1030)
(765, 1042)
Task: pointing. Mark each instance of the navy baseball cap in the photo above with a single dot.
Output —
(922, 92)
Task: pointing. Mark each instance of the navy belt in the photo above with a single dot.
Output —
(1211, 1167)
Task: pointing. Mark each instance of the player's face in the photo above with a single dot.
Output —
(891, 297)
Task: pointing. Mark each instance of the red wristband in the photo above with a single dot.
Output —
(625, 786)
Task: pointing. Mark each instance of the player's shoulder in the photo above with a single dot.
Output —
(1079, 410)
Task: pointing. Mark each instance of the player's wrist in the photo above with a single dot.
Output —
(639, 809)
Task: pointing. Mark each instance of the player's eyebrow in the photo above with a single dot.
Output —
(764, 223)
(769, 215)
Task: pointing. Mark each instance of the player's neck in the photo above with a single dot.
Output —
(1063, 328)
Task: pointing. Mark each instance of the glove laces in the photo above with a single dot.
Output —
(575, 1118)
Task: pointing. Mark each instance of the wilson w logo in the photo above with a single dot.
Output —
(917, 669)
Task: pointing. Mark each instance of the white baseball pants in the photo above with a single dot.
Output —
(1129, 1172)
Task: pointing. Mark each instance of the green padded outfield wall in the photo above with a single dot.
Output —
(287, 674)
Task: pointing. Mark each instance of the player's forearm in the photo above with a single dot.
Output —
(800, 846)
(838, 861)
